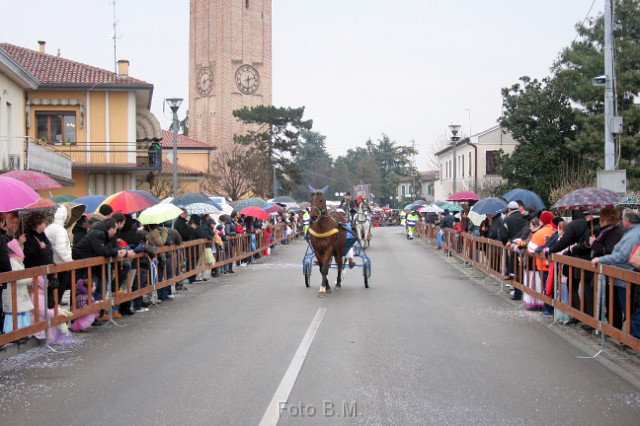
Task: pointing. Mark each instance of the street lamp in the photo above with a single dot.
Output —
(174, 104)
(455, 129)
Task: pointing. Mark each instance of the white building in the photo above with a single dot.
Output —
(476, 166)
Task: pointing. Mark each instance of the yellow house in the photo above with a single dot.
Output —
(194, 159)
(98, 118)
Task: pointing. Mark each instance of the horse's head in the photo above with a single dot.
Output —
(318, 204)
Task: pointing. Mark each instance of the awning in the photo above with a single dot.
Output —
(147, 128)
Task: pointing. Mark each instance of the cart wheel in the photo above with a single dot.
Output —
(307, 274)
(366, 273)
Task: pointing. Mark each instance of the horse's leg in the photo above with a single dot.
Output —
(339, 258)
(324, 265)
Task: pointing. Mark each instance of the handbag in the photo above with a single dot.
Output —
(634, 257)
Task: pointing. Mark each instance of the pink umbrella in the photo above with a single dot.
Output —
(16, 194)
(464, 196)
(35, 180)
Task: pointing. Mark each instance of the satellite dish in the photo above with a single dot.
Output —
(170, 157)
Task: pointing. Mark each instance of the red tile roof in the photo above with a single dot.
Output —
(184, 142)
(50, 69)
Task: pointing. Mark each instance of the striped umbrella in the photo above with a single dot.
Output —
(586, 198)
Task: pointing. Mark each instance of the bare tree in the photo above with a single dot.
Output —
(236, 171)
(161, 185)
(487, 186)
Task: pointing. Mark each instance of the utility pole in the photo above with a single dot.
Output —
(609, 100)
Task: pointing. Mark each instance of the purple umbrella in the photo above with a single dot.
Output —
(15, 194)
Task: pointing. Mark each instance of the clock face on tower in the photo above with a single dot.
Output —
(247, 79)
(204, 81)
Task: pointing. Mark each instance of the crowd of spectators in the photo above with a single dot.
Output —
(601, 236)
(38, 240)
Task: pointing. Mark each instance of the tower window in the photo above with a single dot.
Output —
(246, 4)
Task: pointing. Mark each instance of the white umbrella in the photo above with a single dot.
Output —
(159, 213)
(476, 218)
(201, 208)
(431, 208)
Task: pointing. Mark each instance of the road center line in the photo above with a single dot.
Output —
(272, 415)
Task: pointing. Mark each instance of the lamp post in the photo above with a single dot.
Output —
(174, 104)
(455, 129)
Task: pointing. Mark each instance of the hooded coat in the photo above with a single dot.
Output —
(59, 237)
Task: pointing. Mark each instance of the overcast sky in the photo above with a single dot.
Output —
(361, 68)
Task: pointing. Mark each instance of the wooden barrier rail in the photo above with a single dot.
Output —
(109, 268)
(490, 257)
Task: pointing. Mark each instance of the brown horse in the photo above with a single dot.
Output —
(327, 238)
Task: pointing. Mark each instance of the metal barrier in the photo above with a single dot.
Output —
(108, 271)
(590, 289)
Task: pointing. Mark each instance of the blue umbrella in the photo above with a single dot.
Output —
(91, 201)
(527, 197)
(490, 205)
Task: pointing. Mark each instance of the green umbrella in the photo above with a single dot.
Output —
(63, 198)
(451, 207)
(159, 213)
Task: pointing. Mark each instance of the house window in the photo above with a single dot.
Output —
(246, 4)
(56, 127)
(402, 187)
(469, 164)
(462, 164)
(490, 162)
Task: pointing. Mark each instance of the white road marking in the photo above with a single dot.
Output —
(272, 415)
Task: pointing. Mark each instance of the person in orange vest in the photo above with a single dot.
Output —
(538, 239)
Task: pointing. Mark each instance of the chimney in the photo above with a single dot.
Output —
(41, 43)
(123, 68)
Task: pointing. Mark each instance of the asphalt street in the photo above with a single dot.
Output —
(423, 345)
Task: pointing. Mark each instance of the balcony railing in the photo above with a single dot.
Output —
(46, 159)
(107, 155)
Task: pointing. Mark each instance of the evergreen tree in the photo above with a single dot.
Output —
(274, 133)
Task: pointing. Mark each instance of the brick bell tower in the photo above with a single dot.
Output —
(229, 65)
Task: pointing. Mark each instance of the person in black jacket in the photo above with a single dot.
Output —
(573, 234)
(130, 234)
(80, 229)
(197, 232)
(229, 246)
(37, 247)
(98, 243)
(511, 227)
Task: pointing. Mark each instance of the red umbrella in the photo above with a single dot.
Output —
(256, 212)
(386, 208)
(35, 180)
(464, 196)
(130, 201)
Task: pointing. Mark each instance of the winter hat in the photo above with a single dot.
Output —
(546, 217)
(512, 205)
(16, 250)
(195, 219)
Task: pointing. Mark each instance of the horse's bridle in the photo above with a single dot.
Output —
(320, 211)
